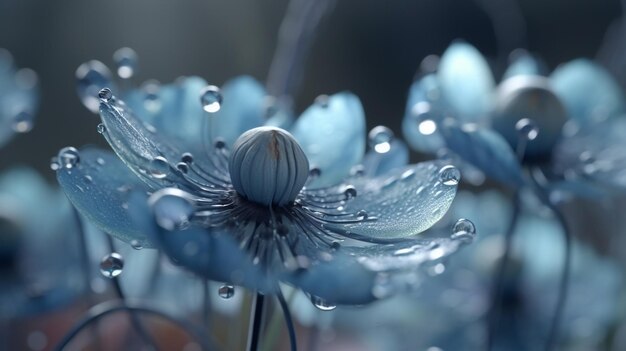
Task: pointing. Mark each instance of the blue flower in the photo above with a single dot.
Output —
(571, 120)
(256, 205)
(18, 98)
(38, 246)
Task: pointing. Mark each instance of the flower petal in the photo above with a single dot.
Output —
(466, 81)
(332, 135)
(485, 149)
(243, 108)
(524, 65)
(422, 114)
(99, 186)
(403, 202)
(588, 91)
(376, 163)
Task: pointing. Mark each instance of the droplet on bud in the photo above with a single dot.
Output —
(112, 265)
(380, 139)
(449, 175)
(91, 77)
(105, 94)
(211, 99)
(322, 304)
(68, 157)
(349, 192)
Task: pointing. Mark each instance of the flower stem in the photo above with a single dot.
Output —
(256, 322)
(288, 320)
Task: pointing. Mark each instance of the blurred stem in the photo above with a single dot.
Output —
(100, 311)
(256, 322)
(496, 295)
(273, 331)
(295, 38)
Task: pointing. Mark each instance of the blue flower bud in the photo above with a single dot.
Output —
(268, 166)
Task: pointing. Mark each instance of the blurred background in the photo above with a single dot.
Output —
(372, 48)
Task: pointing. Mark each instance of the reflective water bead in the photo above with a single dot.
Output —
(91, 77)
(362, 215)
(322, 304)
(380, 139)
(112, 265)
(105, 94)
(68, 157)
(315, 172)
(226, 291)
(211, 99)
(101, 128)
(54, 163)
(449, 175)
(183, 167)
(349, 192)
(126, 61)
(172, 208)
(187, 158)
(464, 230)
(159, 167)
(136, 244)
(23, 122)
(527, 128)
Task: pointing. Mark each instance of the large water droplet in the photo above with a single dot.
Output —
(101, 128)
(105, 94)
(362, 215)
(112, 265)
(322, 304)
(463, 230)
(349, 192)
(380, 139)
(23, 122)
(527, 128)
(449, 175)
(126, 61)
(91, 77)
(226, 291)
(159, 167)
(211, 99)
(187, 158)
(172, 208)
(68, 157)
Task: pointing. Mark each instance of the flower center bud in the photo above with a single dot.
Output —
(268, 166)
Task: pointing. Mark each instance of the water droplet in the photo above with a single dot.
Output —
(449, 175)
(172, 208)
(88, 179)
(211, 99)
(427, 127)
(219, 144)
(407, 175)
(101, 128)
(23, 122)
(183, 167)
(187, 158)
(159, 167)
(322, 304)
(362, 215)
(437, 269)
(112, 265)
(322, 101)
(226, 291)
(349, 192)
(380, 139)
(54, 163)
(91, 77)
(464, 230)
(105, 94)
(37, 340)
(68, 157)
(527, 128)
(136, 244)
(315, 172)
(126, 61)
(100, 161)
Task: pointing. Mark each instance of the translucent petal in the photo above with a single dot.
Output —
(174, 110)
(524, 65)
(332, 135)
(377, 163)
(485, 149)
(243, 108)
(466, 81)
(588, 91)
(422, 114)
(402, 203)
(99, 186)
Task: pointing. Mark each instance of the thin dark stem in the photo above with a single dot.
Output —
(295, 37)
(496, 295)
(134, 319)
(98, 312)
(565, 274)
(256, 321)
(288, 320)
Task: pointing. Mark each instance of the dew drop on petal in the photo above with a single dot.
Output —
(226, 291)
(126, 62)
(159, 167)
(527, 128)
(322, 304)
(187, 158)
(379, 139)
(183, 167)
(23, 122)
(349, 192)
(463, 230)
(362, 215)
(136, 244)
(172, 208)
(101, 128)
(315, 172)
(112, 265)
(68, 157)
(211, 99)
(449, 175)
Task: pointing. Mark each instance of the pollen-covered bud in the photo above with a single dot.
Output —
(268, 166)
